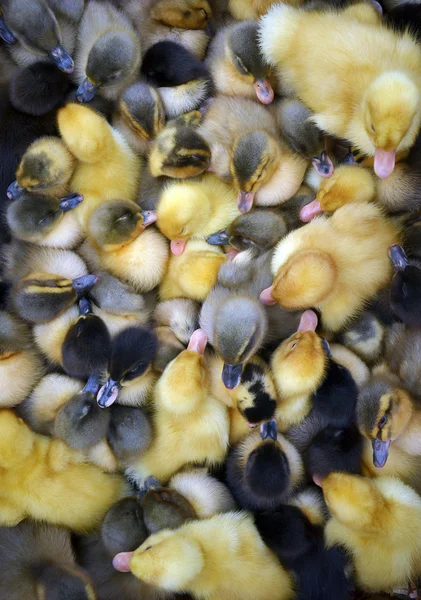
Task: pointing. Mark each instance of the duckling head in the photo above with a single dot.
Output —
(239, 330)
(165, 508)
(55, 582)
(183, 210)
(255, 157)
(117, 223)
(123, 527)
(256, 396)
(133, 351)
(142, 110)
(169, 560)
(45, 164)
(15, 335)
(41, 297)
(244, 51)
(183, 14)
(37, 28)
(179, 152)
(112, 60)
(383, 413)
(406, 287)
(391, 115)
(32, 217)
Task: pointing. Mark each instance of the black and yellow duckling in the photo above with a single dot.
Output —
(43, 34)
(140, 116)
(131, 377)
(182, 80)
(45, 220)
(108, 52)
(39, 564)
(263, 470)
(406, 287)
(237, 65)
(21, 366)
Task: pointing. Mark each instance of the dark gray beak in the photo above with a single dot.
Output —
(220, 238)
(269, 429)
(398, 257)
(108, 394)
(62, 59)
(14, 191)
(380, 453)
(231, 375)
(92, 385)
(83, 285)
(326, 347)
(323, 164)
(85, 307)
(70, 202)
(86, 91)
(5, 34)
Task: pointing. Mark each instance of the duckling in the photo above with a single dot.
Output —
(357, 367)
(38, 562)
(119, 243)
(369, 93)
(41, 33)
(295, 533)
(248, 150)
(182, 80)
(104, 295)
(253, 10)
(405, 287)
(402, 356)
(182, 21)
(108, 52)
(185, 410)
(74, 494)
(365, 336)
(192, 274)
(130, 377)
(349, 183)
(237, 65)
(338, 280)
(217, 549)
(108, 168)
(179, 151)
(263, 469)
(236, 323)
(140, 116)
(195, 209)
(45, 221)
(47, 167)
(21, 366)
(41, 297)
(378, 522)
(164, 508)
(175, 320)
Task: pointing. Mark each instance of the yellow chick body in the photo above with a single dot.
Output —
(108, 169)
(190, 424)
(245, 10)
(221, 558)
(379, 523)
(336, 264)
(366, 75)
(46, 480)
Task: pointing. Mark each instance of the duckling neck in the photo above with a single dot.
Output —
(293, 410)
(410, 439)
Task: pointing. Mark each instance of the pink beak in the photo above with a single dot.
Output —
(308, 321)
(198, 341)
(121, 562)
(309, 211)
(245, 201)
(178, 246)
(384, 163)
(266, 297)
(264, 91)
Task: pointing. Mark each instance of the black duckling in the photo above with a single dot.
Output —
(263, 469)
(133, 351)
(295, 533)
(38, 563)
(334, 449)
(406, 287)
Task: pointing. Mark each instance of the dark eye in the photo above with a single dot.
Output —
(137, 370)
(187, 14)
(404, 290)
(372, 128)
(293, 345)
(148, 548)
(240, 65)
(383, 421)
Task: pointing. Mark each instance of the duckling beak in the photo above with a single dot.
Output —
(178, 246)
(266, 297)
(326, 348)
(269, 429)
(149, 217)
(151, 483)
(85, 307)
(245, 201)
(198, 342)
(264, 91)
(108, 394)
(92, 385)
(5, 34)
(70, 202)
(218, 239)
(398, 257)
(323, 165)
(14, 191)
(380, 453)
(121, 562)
(308, 321)
(384, 162)
(86, 91)
(62, 59)
(309, 211)
(83, 285)
(231, 375)
(349, 159)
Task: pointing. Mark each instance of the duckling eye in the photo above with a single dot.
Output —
(293, 345)
(148, 548)
(372, 128)
(187, 14)
(383, 421)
